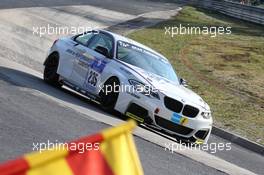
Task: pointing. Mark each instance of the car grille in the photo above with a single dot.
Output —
(177, 106)
(172, 104)
(190, 111)
(172, 126)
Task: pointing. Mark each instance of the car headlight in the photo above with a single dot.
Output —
(144, 89)
(206, 115)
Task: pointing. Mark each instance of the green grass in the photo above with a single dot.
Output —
(227, 71)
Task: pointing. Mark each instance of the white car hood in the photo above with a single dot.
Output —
(172, 89)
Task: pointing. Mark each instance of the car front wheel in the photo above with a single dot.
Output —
(108, 95)
(50, 71)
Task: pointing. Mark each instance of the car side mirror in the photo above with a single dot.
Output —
(102, 50)
(183, 82)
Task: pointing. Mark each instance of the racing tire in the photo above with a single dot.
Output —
(50, 75)
(109, 98)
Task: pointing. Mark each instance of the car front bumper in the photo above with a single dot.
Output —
(197, 129)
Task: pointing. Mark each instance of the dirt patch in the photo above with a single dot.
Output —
(241, 57)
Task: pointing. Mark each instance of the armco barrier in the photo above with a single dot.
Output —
(245, 12)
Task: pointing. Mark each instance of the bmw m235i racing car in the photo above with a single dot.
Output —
(131, 78)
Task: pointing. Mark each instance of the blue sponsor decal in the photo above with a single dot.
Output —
(176, 118)
(98, 65)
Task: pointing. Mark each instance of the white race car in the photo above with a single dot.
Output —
(131, 78)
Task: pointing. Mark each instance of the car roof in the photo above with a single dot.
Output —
(125, 39)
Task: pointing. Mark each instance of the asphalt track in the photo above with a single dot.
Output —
(32, 111)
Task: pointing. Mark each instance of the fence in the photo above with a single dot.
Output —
(245, 12)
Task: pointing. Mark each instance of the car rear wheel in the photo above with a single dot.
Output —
(50, 71)
(108, 95)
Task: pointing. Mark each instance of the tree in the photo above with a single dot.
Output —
(255, 2)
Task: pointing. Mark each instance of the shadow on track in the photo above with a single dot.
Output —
(25, 80)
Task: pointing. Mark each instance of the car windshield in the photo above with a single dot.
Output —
(146, 60)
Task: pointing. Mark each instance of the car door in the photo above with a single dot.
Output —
(91, 61)
(70, 51)
(81, 58)
(101, 50)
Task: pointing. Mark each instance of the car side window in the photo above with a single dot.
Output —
(102, 40)
(84, 38)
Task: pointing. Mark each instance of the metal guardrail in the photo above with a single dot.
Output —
(240, 11)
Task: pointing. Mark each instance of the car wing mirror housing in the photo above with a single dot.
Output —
(102, 50)
(183, 82)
